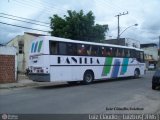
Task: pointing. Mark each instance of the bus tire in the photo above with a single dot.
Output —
(136, 73)
(88, 77)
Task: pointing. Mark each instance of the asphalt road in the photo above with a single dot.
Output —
(115, 96)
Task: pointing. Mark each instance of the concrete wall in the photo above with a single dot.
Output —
(8, 64)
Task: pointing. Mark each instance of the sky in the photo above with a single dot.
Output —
(145, 13)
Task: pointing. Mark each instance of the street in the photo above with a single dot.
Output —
(114, 96)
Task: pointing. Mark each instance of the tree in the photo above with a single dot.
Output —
(78, 26)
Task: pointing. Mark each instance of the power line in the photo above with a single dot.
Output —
(115, 6)
(23, 21)
(48, 5)
(23, 27)
(35, 5)
(24, 18)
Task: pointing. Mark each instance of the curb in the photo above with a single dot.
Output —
(32, 84)
(18, 85)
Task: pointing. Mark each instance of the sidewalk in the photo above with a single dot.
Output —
(23, 81)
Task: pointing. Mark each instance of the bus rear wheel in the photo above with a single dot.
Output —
(136, 73)
(88, 77)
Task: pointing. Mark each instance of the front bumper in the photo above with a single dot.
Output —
(156, 81)
(39, 77)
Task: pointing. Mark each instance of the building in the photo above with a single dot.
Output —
(23, 42)
(124, 42)
(8, 64)
(150, 53)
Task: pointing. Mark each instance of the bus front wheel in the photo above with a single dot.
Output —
(88, 77)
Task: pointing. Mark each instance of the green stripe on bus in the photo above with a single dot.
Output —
(106, 69)
(40, 46)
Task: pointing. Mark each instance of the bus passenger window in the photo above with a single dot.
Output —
(122, 55)
(103, 51)
(120, 52)
(81, 49)
(62, 48)
(142, 56)
(116, 52)
(72, 49)
(126, 53)
(53, 47)
(138, 56)
(109, 51)
(94, 50)
(88, 49)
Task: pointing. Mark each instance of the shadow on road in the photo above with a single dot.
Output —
(122, 79)
(55, 86)
(66, 85)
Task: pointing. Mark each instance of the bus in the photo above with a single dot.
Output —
(53, 59)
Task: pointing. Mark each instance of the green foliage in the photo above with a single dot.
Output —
(78, 26)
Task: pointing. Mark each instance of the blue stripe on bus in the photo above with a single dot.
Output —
(115, 68)
(35, 47)
(32, 48)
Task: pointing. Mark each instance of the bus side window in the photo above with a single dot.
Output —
(53, 47)
(88, 49)
(103, 52)
(133, 53)
(138, 57)
(81, 49)
(71, 49)
(119, 52)
(62, 48)
(116, 52)
(109, 51)
(94, 50)
(142, 56)
(126, 53)
(122, 53)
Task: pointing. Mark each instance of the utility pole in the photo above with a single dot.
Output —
(159, 42)
(120, 14)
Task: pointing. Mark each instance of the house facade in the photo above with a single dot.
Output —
(150, 53)
(23, 43)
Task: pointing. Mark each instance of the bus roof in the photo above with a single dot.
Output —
(83, 42)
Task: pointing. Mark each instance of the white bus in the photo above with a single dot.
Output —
(58, 59)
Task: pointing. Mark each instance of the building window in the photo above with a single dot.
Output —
(21, 47)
